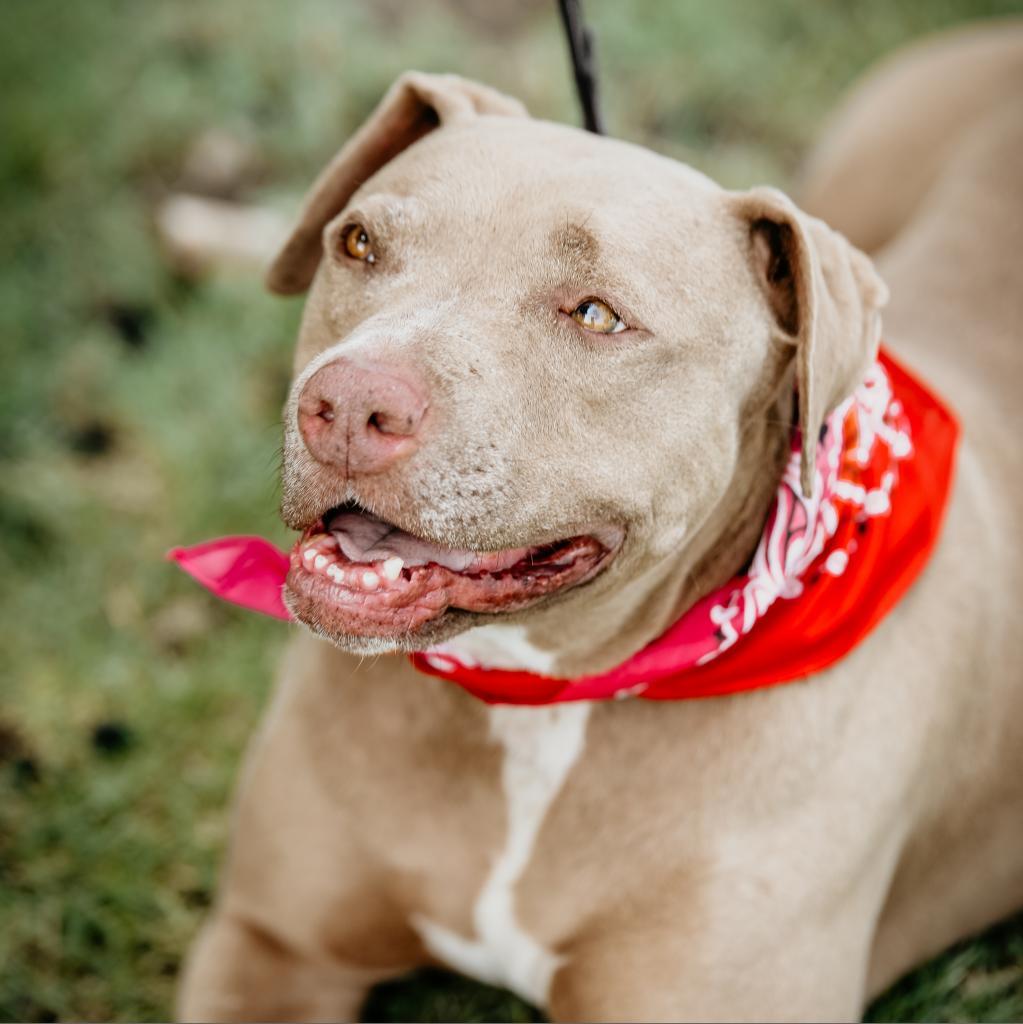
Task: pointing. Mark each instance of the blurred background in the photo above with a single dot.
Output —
(139, 408)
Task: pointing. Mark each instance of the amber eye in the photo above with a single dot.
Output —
(357, 244)
(599, 317)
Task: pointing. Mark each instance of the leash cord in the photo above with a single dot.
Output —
(582, 48)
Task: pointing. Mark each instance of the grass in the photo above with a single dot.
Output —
(139, 410)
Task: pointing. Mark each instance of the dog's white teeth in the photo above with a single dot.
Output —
(370, 580)
(320, 562)
(308, 555)
(335, 573)
(392, 568)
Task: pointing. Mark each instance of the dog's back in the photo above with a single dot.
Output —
(921, 166)
(891, 139)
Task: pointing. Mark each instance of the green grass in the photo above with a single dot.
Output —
(139, 410)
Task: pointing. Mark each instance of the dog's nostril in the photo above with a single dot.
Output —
(384, 423)
(326, 412)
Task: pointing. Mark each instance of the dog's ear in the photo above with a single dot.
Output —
(825, 297)
(414, 105)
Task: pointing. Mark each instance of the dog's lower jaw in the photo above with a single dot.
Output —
(450, 624)
(370, 588)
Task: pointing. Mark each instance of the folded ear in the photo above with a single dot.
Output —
(825, 297)
(414, 105)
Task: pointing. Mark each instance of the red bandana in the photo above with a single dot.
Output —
(827, 568)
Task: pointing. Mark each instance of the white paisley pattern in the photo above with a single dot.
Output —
(799, 526)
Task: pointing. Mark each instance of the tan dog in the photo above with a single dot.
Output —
(518, 334)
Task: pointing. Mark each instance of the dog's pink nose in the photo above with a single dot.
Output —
(360, 419)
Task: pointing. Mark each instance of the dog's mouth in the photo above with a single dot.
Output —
(354, 574)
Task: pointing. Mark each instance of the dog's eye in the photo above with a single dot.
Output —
(599, 317)
(357, 244)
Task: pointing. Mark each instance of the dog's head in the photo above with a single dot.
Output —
(543, 378)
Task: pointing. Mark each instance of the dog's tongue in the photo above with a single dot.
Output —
(364, 538)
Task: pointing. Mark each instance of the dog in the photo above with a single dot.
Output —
(543, 397)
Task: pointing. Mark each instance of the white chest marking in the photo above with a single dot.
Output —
(500, 646)
(540, 746)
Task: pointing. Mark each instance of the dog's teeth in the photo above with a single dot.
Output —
(308, 555)
(392, 568)
(335, 574)
(370, 580)
(320, 562)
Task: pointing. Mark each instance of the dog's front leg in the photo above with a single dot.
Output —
(677, 972)
(304, 922)
(237, 971)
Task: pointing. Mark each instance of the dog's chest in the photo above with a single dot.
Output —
(540, 746)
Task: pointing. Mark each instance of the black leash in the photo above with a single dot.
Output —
(582, 47)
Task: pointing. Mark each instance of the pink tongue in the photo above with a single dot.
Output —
(364, 538)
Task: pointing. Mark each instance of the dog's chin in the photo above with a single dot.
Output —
(449, 625)
(370, 587)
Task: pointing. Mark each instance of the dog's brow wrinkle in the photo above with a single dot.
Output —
(576, 244)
